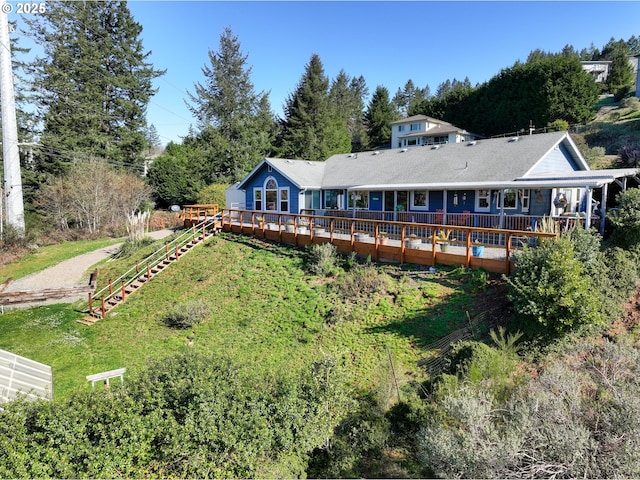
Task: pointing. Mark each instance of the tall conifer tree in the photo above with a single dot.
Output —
(94, 82)
(380, 113)
(241, 117)
(313, 128)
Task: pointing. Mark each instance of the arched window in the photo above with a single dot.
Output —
(271, 194)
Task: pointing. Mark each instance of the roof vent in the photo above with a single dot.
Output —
(376, 153)
(350, 155)
(472, 143)
(404, 150)
(310, 163)
(514, 139)
(435, 147)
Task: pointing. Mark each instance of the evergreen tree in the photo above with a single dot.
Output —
(378, 117)
(313, 128)
(621, 76)
(347, 96)
(228, 103)
(408, 98)
(94, 83)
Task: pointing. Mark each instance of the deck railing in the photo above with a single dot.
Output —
(422, 243)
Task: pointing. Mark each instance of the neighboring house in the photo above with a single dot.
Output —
(600, 69)
(533, 176)
(420, 130)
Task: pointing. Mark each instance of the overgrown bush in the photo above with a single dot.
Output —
(550, 287)
(578, 417)
(626, 219)
(186, 416)
(323, 259)
(187, 315)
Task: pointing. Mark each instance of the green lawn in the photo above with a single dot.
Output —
(45, 257)
(266, 311)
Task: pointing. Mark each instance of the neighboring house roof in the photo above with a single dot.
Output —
(302, 173)
(441, 129)
(419, 118)
(472, 163)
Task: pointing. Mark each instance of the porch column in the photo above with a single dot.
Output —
(501, 225)
(603, 207)
(444, 207)
(588, 201)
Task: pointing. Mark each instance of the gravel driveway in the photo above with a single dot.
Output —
(72, 272)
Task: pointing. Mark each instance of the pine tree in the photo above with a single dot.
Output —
(228, 103)
(378, 117)
(621, 76)
(94, 84)
(347, 96)
(313, 128)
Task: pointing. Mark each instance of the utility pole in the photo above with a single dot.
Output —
(10, 154)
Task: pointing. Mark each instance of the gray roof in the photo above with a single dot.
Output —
(304, 174)
(416, 118)
(483, 161)
(443, 129)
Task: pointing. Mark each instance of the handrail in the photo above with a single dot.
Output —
(399, 240)
(149, 263)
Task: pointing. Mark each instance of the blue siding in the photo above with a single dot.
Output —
(436, 201)
(558, 160)
(258, 180)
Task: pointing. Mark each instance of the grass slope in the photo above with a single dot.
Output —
(266, 311)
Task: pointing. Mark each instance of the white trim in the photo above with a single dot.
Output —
(413, 205)
(477, 206)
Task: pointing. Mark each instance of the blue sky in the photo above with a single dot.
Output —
(385, 42)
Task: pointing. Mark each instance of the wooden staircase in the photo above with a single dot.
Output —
(117, 292)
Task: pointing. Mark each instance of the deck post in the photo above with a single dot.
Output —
(434, 247)
(177, 253)
(102, 308)
(124, 292)
(508, 246)
(110, 288)
(331, 230)
(468, 248)
(90, 303)
(402, 245)
(377, 240)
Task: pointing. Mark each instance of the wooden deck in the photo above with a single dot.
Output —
(388, 241)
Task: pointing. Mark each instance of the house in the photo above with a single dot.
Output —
(600, 69)
(485, 182)
(420, 130)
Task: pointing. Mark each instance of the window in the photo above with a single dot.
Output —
(401, 128)
(414, 127)
(483, 200)
(284, 200)
(361, 200)
(525, 196)
(257, 199)
(331, 199)
(271, 194)
(420, 200)
(411, 142)
(510, 199)
(312, 199)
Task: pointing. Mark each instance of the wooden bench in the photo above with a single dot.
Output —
(106, 376)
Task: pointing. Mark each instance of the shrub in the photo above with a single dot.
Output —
(187, 315)
(550, 287)
(322, 259)
(626, 220)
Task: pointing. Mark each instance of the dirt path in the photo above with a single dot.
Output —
(72, 272)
